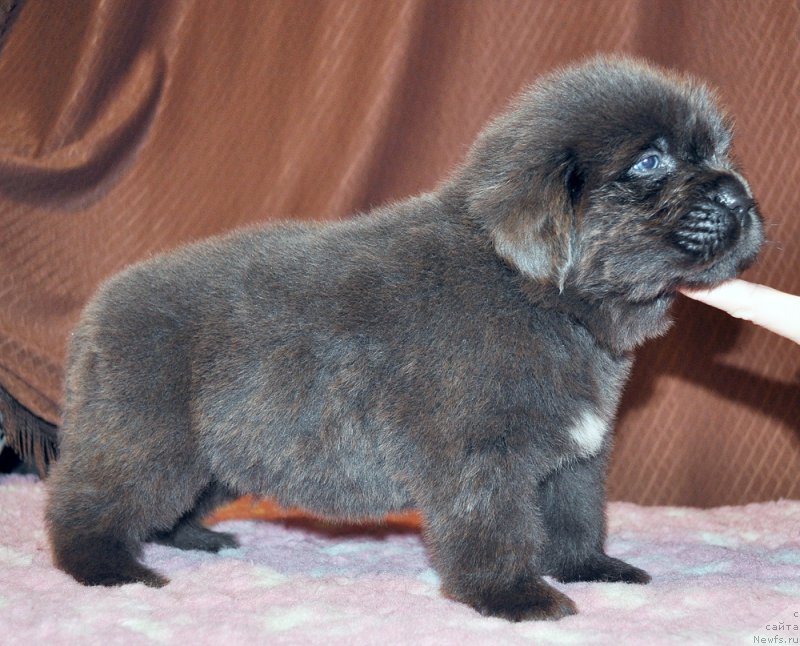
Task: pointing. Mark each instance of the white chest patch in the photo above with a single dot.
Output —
(588, 432)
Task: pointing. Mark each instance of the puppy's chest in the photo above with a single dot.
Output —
(589, 398)
(594, 420)
(588, 431)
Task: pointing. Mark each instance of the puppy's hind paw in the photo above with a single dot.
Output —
(139, 574)
(606, 569)
(100, 560)
(526, 600)
(190, 536)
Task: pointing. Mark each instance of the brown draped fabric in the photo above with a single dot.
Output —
(127, 128)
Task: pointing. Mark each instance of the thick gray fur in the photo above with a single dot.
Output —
(462, 352)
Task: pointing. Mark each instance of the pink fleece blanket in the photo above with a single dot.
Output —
(721, 576)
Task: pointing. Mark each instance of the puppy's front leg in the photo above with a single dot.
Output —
(573, 507)
(485, 538)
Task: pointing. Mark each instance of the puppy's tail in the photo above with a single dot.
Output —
(98, 559)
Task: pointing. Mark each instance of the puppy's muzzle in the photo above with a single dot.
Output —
(715, 223)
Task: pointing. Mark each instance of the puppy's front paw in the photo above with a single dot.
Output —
(604, 568)
(527, 599)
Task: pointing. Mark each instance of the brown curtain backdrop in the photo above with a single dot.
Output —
(127, 128)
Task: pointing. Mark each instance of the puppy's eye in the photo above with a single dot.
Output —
(647, 164)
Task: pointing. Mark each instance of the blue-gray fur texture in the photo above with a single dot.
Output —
(462, 352)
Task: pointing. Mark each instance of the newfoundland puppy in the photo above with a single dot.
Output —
(462, 352)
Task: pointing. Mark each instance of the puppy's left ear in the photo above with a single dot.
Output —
(531, 216)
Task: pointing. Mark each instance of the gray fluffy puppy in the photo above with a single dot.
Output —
(462, 352)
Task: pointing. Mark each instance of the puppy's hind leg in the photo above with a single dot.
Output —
(97, 524)
(89, 535)
(190, 534)
(130, 464)
(100, 559)
(107, 494)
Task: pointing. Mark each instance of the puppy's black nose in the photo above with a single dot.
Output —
(732, 195)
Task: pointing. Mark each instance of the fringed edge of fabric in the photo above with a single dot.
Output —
(33, 439)
(9, 10)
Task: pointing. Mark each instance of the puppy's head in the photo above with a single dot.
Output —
(612, 179)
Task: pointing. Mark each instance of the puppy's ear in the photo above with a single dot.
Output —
(532, 216)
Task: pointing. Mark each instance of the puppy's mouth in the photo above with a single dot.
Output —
(720, 235)
(712, 227)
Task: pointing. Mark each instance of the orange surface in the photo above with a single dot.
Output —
(251, 508)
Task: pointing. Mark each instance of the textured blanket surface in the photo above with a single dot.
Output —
(721, 576)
